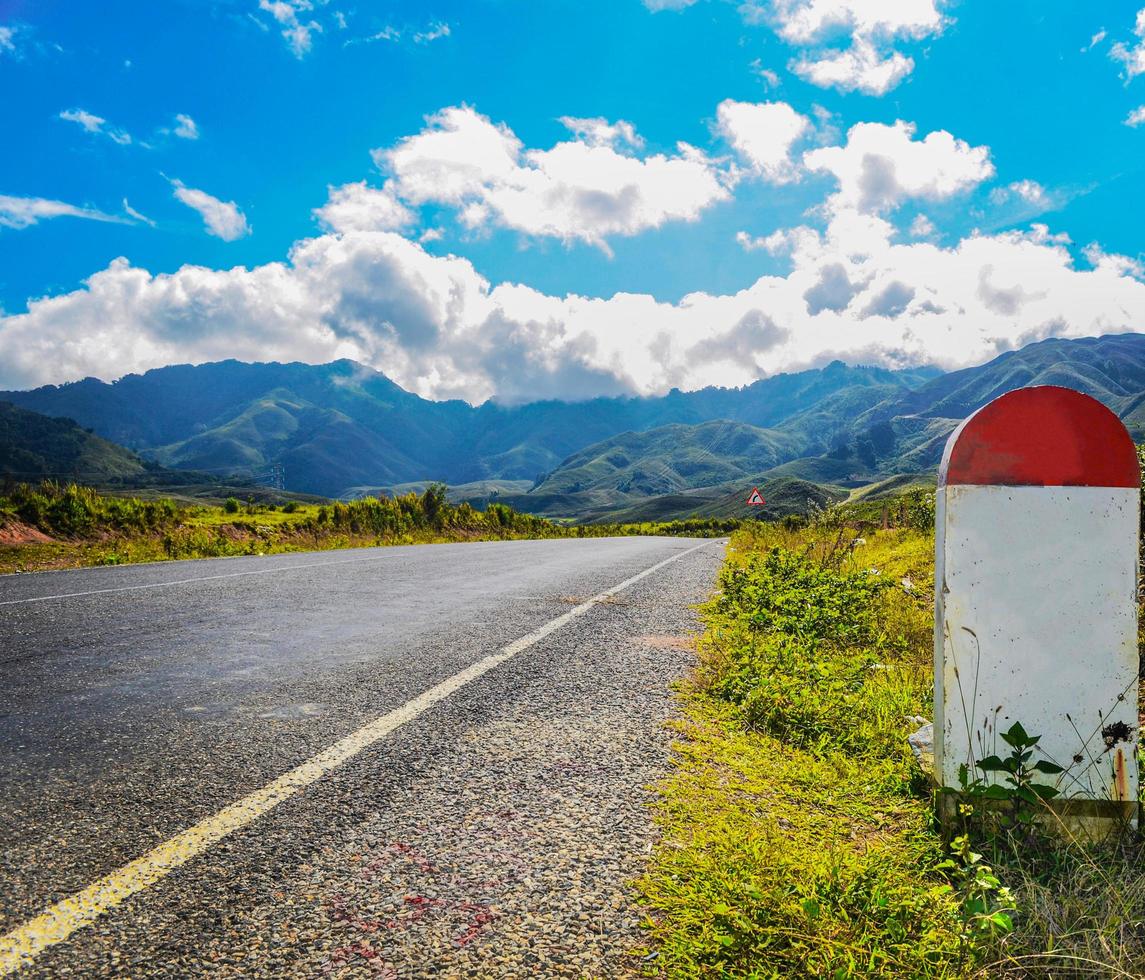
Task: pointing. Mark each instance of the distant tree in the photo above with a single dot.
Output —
(434, 504)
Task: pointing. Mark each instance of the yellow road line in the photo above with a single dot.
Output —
(23, 944)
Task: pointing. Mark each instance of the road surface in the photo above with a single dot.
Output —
(427, 760)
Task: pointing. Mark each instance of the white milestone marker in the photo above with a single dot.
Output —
(1036, 529)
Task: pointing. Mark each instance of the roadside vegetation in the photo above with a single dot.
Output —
(799, 836)
(61, 526)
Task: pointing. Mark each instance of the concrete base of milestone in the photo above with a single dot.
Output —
(1084, 821)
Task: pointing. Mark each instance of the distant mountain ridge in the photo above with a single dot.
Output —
(341, 428)
(341, 425)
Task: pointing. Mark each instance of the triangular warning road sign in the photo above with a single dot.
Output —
(755, 498)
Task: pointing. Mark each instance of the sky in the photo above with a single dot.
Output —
(525, 199)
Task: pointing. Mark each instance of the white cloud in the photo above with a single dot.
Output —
(387, 33)
(658, 5)
(223, 219)
(809, 21)
(1136, 117)
(773, 244)
(858, 68)
(768, 76)
(880, 166)
(185, 127)
(1132, 56)
(855, 288)
(131, 212)
(575, 191)
(600, 132)
(432, 33)
(869, 63)
(297, 33)
(1095, 40)
(763, 134)
(1029, 191)
(7, 39)
(358, 207)
(92, 123)
(23, 212)
(439, 328)
(922, 227)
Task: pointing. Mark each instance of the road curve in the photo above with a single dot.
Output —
(488, 833)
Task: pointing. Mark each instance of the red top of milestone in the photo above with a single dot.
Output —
(1041, 437)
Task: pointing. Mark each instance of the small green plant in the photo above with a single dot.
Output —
(232, 505)
(985, 905)
(1020, 792)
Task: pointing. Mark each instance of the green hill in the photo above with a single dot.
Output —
(670, 458)
(34, 447)
(340, 429)
(340, 426)
(907, 432)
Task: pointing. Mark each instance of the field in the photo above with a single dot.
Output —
(798, 830)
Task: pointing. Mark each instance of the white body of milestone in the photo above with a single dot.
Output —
(1036, 592)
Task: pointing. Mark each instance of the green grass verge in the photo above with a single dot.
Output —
(54, 526)
(798, 836)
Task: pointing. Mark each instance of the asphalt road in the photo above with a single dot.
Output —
(489, 831)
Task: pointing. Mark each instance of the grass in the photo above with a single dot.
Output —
(53, 526)
(798, 832)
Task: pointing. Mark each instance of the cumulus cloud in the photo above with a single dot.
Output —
(223, 219)
(576, 191)
(1136, 117)
(859, 67)
(600, 132)
(92, 123)
(763, 133)
(891, 301)
(23, 212)
(832, 291)
(185, 127)
(773, 244)
(880, 166)
(869, 63)
(753, 335)
(922, 227)
(1132, 54)
(359, 207)
(854, 287)
(7, 40)
(438, 327)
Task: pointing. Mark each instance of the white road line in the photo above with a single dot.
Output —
(23, 944)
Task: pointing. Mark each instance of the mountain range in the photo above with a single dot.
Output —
(342, 429)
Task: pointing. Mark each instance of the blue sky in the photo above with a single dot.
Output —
(148, 140)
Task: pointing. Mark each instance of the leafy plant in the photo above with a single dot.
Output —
(1020, 791)
(985, 905)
